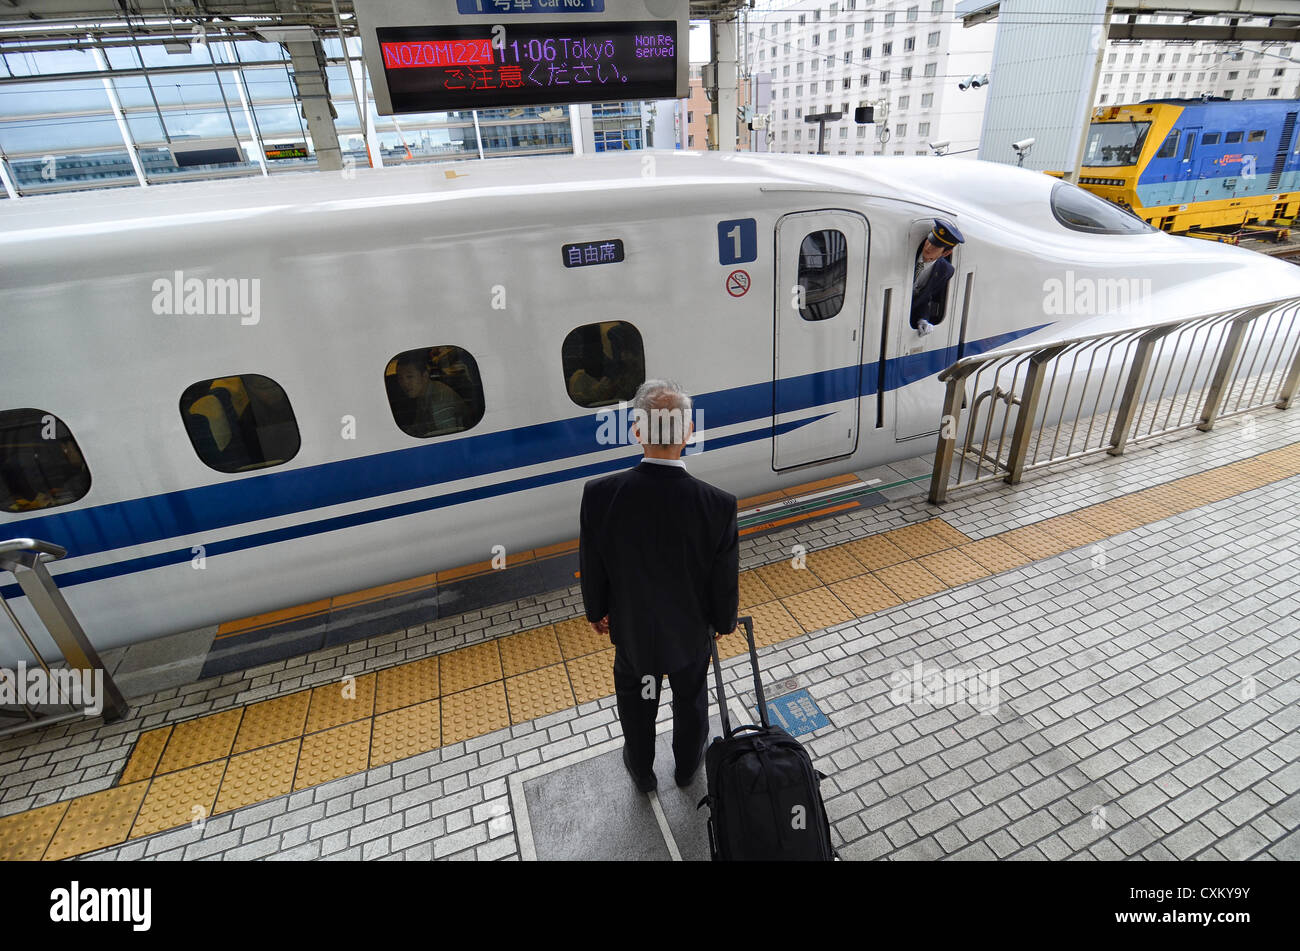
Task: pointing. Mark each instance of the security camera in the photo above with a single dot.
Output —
(966, 83)
(940, 146)
(1023, 146)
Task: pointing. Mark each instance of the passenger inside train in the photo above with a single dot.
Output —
(237, 423)
(603, 363)
(424, 406)
(37, 472)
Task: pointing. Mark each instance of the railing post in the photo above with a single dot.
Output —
(1137, 378)
(947, 438)
(1028, 410)
(47, 600)
(1291, 385)
(1219, 382)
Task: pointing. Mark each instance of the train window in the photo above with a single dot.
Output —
(434, 391)
(1081, 210)
(239, 423)
(603, 363)
(1210, 138)
(823, 272)
(1170, 146)
(1257, 135)
(40, 463)
(1115, 143)
(1188, 146)
(1230, 137)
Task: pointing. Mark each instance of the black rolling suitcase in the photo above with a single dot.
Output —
(764, 798)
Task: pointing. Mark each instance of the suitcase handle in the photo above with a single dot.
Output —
(747, 623)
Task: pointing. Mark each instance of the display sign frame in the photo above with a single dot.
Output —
(439, 63)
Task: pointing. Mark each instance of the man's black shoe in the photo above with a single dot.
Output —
(644, 783)
(684, 778)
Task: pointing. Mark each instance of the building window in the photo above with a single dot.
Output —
(933, 39)
(909, 44)
(830, 36)
(884, 76)
(862, 132)
(240, 423)
(823, 273)
(911, 14)
(904, 101)
(931, 70)
(927, 100)
(889, 19)
(848, 83)
(434, 391)
(41, 465)
(923, 129)
(848, 32)
(886, 49)
(848, 57)
(900, 130)
(936, 6)
(603, 363)
(907, 73)
(866, 53)
(863, 81)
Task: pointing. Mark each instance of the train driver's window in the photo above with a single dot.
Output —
(1257, 135)
(434, 391)
(603, 363)
(1230, 137)
(1081, 210)
(239, 423)
(823, 271)
(1210, 138)
(40, 463)
(1170, 146)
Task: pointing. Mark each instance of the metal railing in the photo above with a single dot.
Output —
(25, 558)
(1013, 410)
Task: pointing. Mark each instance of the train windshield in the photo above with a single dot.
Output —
(1115, 143)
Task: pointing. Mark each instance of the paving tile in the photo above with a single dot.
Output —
(952, 567)
(145, 755)
(577, 638)
(910, 580)
(865, 595)
(753, 591)
(592, 676)
(258, 776)
(876, 551)
(816, 609)
(406, 732)
(25, 835)
(538, 693)
(200, 741)
(530, 650)
(783, 579)
(834, 564)
(994, 554)
(97, 821)
(406, 684)
(341, 701)
(179, 798)
(331, 754)
(474, 712)
(272, 721)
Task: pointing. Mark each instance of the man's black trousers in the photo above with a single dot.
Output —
(638, 704)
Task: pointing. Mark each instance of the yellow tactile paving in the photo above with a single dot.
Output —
(910, 580)
(773, 624)
(406, 732)
(1034, 542)
(875, 552)
(947, 533)
(834, 564)
(97, 821)
(258, 776)
(1074, 531)
(25, 835)
(341, 701)
(577, 638)
(919, 539)
(530, 650)
(178, 798)
(994, 554)
(470, 667)
(784, 579)
(538, 693)
(472, 713)
(753, 590)
(272, 721)
(406, 684)
(731, 645)
(816, 609)
(592, 676)
(331, 754)
(1105, 520)
(864, 595)
(953, 568)
(144, 758)
(1157, 503)
(201, 740)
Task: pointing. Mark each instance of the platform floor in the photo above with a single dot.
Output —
(1140, 615)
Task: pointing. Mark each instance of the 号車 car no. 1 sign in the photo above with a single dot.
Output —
(738, 283)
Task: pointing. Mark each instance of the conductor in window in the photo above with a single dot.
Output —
(931, 275)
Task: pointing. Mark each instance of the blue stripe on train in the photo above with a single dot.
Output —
(207, 508)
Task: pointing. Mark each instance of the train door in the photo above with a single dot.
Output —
(918, 358)
(1188, 174)
(821, 283)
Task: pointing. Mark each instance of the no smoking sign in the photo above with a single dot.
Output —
(738, 283)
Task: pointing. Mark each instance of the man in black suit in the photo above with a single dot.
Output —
(659, 555)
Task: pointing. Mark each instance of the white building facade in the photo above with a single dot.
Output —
(907, 60)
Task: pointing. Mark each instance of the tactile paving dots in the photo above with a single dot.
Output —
(24, 836)
(272, 721)
(917, 539)
(910, 581)
(406, 732)
(577, 638)
(530, 650)
(874, 552)
(201, 740)
(178, 798)
(144, 758)
(952, 567)
(816, 609)
(472, 713)
(406, 684)
(834, 564)
(328, 755)
(258, 776)
(538, 693)
(341, 701)
(97, 821)
(994, 554)
(864, 595)
(470, 667)
(592, 676)
(753, 591)
(773, 624)
(784, 579)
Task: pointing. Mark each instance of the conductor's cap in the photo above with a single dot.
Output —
(945, 234)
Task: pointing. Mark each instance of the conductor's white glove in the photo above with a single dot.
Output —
(924, 326)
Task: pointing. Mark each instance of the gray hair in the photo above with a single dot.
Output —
(662, 410)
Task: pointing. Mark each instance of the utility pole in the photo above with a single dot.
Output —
(821, 118)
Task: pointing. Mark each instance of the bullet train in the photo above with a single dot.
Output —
(229, 397)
